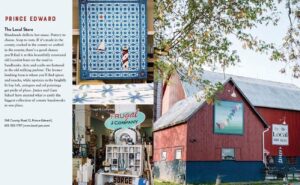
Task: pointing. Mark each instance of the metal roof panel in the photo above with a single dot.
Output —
(261, 93)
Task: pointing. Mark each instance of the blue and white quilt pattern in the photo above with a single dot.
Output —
(113, 39)
(114, 94)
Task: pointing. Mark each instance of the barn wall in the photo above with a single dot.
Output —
(173, 92)
(204, 160)
(276, 116)
(229, 171)
(170, 171)
(169, 140)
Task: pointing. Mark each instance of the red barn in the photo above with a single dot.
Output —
(188, 148)
(292, 119)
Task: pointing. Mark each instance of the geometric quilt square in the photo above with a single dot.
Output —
(113, 39)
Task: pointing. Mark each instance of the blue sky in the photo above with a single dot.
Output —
(257, 65)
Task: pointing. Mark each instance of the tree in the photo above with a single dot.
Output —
(194, 33)
(289, 52)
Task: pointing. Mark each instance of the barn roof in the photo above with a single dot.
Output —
(180, 112)
(184, 109)
(261, 93)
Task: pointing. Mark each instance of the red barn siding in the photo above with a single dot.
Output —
(207, 145)
(169, 140)
(173, 92)
(276, 116)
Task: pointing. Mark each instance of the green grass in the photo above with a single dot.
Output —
(158, 182)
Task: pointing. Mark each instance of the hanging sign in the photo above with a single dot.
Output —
(125, 120)
(280, 135)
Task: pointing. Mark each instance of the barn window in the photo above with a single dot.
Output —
(164, 156)
(178, 154)
(228, 154)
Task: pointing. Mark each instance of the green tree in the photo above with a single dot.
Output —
(194, 33)
(289, 51)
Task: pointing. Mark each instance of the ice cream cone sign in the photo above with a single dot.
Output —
(125, 55)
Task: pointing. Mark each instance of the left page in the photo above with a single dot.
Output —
(35, 90)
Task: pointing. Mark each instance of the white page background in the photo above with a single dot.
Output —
(34, 156)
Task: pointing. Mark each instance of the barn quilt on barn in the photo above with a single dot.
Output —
(228, 117)
(113, 39)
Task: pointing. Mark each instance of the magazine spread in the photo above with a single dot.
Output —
(144, 92)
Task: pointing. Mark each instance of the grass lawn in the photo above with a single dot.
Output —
(157, 182)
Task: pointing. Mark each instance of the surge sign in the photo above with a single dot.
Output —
(124, 120)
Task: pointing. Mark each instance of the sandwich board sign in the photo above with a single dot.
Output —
(280, 135)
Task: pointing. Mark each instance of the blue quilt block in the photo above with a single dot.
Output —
(113, 39)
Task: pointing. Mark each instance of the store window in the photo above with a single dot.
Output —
(228, 154)
(164, 156)
(178, 154)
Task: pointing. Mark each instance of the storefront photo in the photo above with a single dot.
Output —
(112, 144)
(249, 133)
